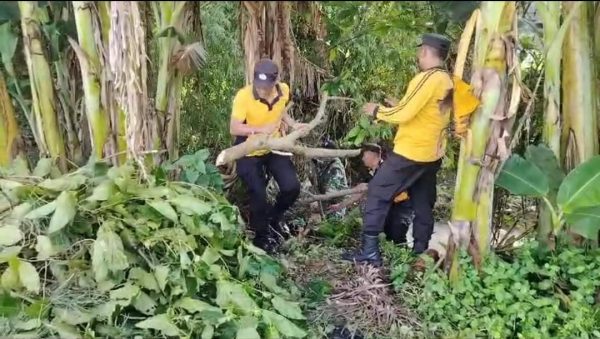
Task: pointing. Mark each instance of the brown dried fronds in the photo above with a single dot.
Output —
(189, 58)
(367, 300)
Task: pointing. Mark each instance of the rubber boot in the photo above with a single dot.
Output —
(368, 254)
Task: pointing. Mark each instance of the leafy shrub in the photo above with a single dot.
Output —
(196, 169)
(99, 252)
(534, 295)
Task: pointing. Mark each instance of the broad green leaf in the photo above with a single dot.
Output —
(208, 332)
(144, 304)
(287, 308)
(191, 205)
(20, 211)
(221, 219)
(20, 167)
(143, 279)
(195, 305)
(161, 273)
(247, 330)
(10, 235)
(65, 331)
(164, 208)
(210, 255)
(585, 222)
(522, 177)
(270, 282)
(10, 278)
(41, 211)
(9, 306)
(8, 39)
(65, 183)
(103, 191)
(106, 310)
(229, 293)
(283, 325)
(29, 277)
(27, 325)
(125, 295)
(107, 254)
(43, 167)
(546, 161)
(66, 207)
(38, 309)
(581, 187)
(160, 322)
(44, 247)
(9, 253)
(72, 316)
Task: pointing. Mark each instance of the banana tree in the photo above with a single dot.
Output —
(554, 33)
(484, 148)
(9, 130)
(176, 59)
(89, 37)
(42, 93)
(580, 128)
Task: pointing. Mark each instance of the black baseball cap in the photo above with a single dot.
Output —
(265, 73)
(437, 41)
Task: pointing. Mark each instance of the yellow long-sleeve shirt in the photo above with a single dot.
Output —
(421, 134)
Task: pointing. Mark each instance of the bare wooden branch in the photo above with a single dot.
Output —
(333, 195)
(286, 143)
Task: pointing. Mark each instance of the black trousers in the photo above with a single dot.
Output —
(398, 221)
(399, 174)
(252, 172)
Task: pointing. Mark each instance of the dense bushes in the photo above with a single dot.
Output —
(532, 295)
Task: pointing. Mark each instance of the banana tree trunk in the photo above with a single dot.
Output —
(42, 92)
(580, 119)
(9, 130)
(484, 149)
(89, 61)
(549, 12)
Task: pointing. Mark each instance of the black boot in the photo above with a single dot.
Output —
(369, 254)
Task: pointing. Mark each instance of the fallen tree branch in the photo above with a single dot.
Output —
(286, 143)
(333, 195)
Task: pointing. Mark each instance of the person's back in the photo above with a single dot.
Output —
(422, 138)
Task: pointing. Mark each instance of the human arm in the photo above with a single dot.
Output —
(237, 125)
(419, 92)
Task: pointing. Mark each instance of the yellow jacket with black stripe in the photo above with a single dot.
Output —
(421, 121)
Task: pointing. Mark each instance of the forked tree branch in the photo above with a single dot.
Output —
(287, 143)
(332, 195)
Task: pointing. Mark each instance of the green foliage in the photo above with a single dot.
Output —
(196, 169)
(574, 199)
(365, 131)
(532, 296)
(339, 232)
(99, 252)
(207, 96)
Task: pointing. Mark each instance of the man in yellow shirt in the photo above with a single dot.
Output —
(260, 109)
(422, 117)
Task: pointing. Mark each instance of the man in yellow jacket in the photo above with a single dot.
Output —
(422, 117)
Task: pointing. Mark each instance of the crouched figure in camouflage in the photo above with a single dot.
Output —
(331, 177)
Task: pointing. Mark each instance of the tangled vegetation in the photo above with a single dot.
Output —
(100, 253)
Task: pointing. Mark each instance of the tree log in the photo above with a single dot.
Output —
(332, 195)
(286, 143)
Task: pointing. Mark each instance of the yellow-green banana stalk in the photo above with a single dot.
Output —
(42, 92)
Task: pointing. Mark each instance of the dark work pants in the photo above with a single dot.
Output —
(252, 172)
(398, 221)
(399, 174)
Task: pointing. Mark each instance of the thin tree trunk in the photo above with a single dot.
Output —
(42, 92)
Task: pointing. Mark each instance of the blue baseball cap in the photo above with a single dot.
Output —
(265, 73)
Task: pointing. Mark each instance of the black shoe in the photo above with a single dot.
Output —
(266, 244)
(368, 254)
(419, 248)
